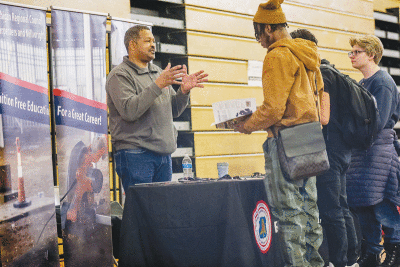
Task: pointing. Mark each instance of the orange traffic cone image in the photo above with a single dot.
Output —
(22, 202)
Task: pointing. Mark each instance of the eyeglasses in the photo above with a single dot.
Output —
(354, 53)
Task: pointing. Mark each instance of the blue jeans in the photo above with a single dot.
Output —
(375, 218)
(334, 211)
(135, 166)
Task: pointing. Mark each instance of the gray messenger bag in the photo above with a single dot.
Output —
(302, 151)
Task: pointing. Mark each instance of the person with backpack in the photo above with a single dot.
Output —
(374, 175)
(336, 219)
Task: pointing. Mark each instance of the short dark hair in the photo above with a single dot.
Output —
(258, 31)
(133, 33)
(304, 34)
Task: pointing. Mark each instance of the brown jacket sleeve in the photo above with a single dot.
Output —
(278, 76)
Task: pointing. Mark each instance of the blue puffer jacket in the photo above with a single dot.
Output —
(374, 174)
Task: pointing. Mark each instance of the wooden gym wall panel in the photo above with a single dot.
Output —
(382, 5)
(327, 38)
(214, 92)
(242, 165)
(249, 7)
(228, 71)
(248, 49)
(329, 19)
(359, 7)
(222, 143)
(198, 44)
(356, 75)
(202, 118)
(206, 20)
(233, 71)
(339, 58)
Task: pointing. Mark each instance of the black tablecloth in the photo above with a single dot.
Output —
(197, 224)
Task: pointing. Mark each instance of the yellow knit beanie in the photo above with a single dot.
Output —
(270, 13)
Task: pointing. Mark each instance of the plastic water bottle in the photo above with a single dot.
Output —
(187, 167)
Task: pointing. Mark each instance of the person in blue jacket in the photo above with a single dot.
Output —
(373, 177)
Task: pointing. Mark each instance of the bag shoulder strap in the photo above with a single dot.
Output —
(317, 96)
(273, 128)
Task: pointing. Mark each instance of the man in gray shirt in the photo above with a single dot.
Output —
(142, 105)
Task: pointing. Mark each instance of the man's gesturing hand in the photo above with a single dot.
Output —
(169, 75)
(192, 80)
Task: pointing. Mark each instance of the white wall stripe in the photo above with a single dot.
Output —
(380, 33)
(391, 53)
(385, 17)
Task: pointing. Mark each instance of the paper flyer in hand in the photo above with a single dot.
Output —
(227, 113)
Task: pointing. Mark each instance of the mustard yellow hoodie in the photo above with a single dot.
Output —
(290, 69)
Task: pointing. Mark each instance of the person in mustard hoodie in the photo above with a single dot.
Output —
(290, 76)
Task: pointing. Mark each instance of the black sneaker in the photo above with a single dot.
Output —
(392, 258)
(369, 260)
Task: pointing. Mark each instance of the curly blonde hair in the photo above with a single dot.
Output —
(371, 44)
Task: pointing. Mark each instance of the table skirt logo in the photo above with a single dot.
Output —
(262, 226)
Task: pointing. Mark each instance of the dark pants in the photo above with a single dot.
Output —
(336, 219)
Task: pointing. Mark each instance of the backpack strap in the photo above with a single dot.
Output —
(332, 68)
(317, 96)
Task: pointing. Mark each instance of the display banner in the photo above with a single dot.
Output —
(28, 229)
(79, 72)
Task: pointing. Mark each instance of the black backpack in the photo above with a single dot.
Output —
(358, 112)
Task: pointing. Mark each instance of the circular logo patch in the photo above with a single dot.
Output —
(262, 226)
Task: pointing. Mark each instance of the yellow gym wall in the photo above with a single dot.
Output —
(382, 5)
(220, 40)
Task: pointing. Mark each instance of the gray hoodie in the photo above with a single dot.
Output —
(140, 113)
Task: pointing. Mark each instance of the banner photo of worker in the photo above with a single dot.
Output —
(28, 229)
(79, 73)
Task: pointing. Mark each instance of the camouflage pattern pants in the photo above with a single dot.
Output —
(295, 206)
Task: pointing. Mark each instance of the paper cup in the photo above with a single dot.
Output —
(223, 168)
